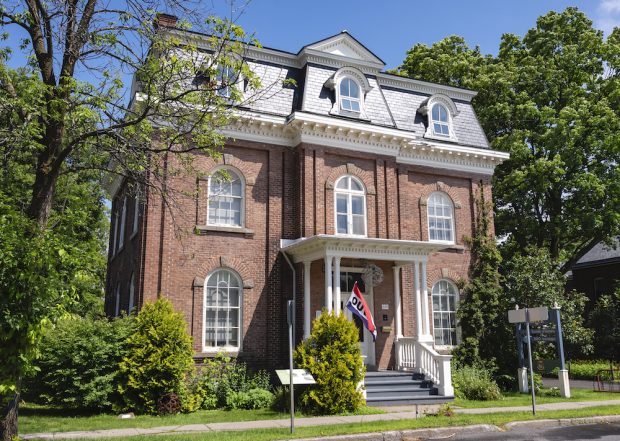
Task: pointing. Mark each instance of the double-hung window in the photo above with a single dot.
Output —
(440, 218)
(440, 120)
(222, 311)
(444, 313)
(350, 95)
(350, 201)
(225, 206)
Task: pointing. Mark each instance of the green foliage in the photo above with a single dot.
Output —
(78, 364)
(333, 356)
(479, 311)
(475, 383)
(552, 100)
(159, 360)
(605, 320)
(589, 369)
(531, 280)
(252, 399)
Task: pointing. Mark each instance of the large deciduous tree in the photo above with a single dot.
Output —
(552, 100)
(68, 115)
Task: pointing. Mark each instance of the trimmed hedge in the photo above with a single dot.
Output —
(586, 369)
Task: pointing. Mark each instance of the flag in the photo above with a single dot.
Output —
(357, 305)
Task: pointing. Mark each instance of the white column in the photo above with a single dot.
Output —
(418, 303)
(307, 304)
(398, 318)
(427, 323)
(328, 283)
(336, 283)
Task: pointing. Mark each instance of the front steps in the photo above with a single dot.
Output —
(394, 388)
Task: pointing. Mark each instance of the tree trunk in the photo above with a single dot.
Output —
(42, 196)
(8, 423)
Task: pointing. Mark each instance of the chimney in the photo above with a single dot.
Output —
(165, 21)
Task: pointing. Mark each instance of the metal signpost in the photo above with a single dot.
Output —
(527, 316)
(290, 317)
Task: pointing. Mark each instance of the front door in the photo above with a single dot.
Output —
(347, 280)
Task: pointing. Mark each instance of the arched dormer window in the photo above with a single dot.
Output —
(350, 86)
(445, 298)
(222, 311)
(349, 95)
(226, 198)
(440, 110)
(440, 218)
(350, 206)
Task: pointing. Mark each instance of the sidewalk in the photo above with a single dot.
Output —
(393, 413)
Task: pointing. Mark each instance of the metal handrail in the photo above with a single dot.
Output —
(611, 379)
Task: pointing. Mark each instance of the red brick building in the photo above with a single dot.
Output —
(353, 175)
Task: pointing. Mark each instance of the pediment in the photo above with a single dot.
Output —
(344, 45)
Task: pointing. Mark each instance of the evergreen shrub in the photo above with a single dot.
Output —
(78, 363)
(159, 359)
(333, 356)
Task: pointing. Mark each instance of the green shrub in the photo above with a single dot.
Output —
(160, 358)
(78, 364)
(475, 383)
(220, 377)
(252, 399)
(587, 369)
(333, 356)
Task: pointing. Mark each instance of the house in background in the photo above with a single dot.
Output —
(353, 175)
(597, 273)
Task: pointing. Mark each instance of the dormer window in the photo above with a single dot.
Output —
(440, 110)
(440, 121)
(350, 87)
(226, 78)
(349, 95)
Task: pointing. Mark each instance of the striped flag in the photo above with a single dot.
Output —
(358, 306)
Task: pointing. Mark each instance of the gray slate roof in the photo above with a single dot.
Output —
(600, 253)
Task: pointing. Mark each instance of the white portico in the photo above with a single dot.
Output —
(411, 353)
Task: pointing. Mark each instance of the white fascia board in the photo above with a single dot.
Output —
(425, 87)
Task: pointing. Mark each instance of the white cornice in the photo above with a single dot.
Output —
(424, 87)
(345, 134)
(337, 61)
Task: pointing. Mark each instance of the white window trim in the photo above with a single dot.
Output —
(243, 197)
(121, 239)
(350, 193)
(225, 349)
(457, 337)
(452, 111)
(132, 292)
(364, 87)
(452, 222)
(117, 307)
(136, 215)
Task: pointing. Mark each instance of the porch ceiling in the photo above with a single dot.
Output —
(317, 247)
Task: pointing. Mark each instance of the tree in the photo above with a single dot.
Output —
(478, 312)
(552, 100)
(605, 319)
(66, 119)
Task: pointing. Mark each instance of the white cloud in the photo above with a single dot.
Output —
(608, 15)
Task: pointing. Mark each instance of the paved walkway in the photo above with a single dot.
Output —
(393, 413)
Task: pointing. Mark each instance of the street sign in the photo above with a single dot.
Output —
(300, 376)
(540, 314)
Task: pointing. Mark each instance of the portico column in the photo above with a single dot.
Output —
(336, 283)
(307, 304)
(427, 323)
(418, 303)
(328, 283)
(398, 319)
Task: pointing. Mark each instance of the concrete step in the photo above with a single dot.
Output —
(408, 400)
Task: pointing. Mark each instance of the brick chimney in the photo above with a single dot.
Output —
(165, 21)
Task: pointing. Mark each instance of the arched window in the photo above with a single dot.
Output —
(350, 95)
(222, 311)
(440, 120)
(445, 297)
(350, 207)
(226, 79)
(440, 218)
(225, 198)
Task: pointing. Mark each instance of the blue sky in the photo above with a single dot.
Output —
(391, 27)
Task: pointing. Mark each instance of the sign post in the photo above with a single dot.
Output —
(527, 316)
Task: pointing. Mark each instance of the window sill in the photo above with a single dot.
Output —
(203, 230)
(214, 352)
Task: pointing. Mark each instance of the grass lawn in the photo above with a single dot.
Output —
(498, 419)
(516, 399)
(36, 419)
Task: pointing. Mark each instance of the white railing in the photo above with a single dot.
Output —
(422, 358)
